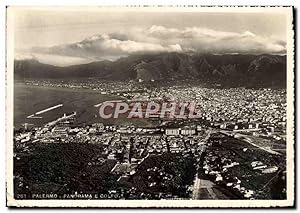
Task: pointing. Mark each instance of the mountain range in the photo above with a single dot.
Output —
(229, 69)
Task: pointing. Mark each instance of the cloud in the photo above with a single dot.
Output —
(162, 39)
(53, 59)
(105, 46)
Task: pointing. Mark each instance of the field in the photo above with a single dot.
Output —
(225, 150)
(164, 176)
(61, 169)
(67, 169)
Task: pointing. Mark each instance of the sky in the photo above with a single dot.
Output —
(66, 37)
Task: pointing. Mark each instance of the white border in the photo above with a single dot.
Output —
(156, 203)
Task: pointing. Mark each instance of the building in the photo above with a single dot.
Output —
(173, 131)
(187, 131)
(60, 131)
(92, 130)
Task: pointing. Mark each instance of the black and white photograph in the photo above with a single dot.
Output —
(150, 106)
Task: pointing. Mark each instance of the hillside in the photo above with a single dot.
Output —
(267, 70)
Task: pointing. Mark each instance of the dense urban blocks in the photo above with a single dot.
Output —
(235, 148)
(166, 110)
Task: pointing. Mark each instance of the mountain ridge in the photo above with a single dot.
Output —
(228, 68)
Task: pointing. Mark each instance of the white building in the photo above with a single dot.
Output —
(174, 131)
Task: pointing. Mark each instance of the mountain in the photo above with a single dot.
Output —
(235, 70)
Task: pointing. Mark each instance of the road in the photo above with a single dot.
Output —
(204, 188)
(196, 188)
(250, 140)
(197, 181)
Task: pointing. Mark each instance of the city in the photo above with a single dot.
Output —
(148, 106)
(236, 149)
